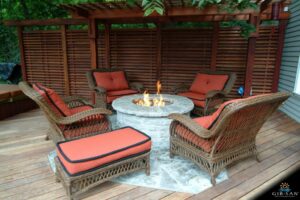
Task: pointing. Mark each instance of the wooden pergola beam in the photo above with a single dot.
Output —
(158, 19)
(264, 5)
(172, 12)
(45, 22)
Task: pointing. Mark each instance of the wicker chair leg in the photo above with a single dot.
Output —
(257, 158)
(148, 165)
(69, 192)
(57, 179)
(47, 135)
(213, 179)
(171, 154)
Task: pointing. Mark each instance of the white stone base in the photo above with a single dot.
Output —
(144, 123)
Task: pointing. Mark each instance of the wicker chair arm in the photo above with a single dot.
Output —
(100, 89)
(192, 125)
(79, 116)
(179, 88)
(136, 86)
(215, 93)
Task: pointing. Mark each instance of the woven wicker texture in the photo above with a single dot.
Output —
(76, 185)
(82, 124)
(231, 138)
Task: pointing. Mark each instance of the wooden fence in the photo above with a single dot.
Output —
(60, 58)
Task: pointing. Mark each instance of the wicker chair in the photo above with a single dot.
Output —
(84, 120)
(213, 142)
(103, 83)
(208, 90)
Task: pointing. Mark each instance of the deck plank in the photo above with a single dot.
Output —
(25, 172)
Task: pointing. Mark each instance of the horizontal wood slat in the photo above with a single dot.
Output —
(184, 52)
(79, 62)
(232, 56)
(265, 60)
(44, 58)
(135, 52)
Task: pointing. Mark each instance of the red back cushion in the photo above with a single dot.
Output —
(208, 121)
(53, 99)
(204, 83)
(111, 80)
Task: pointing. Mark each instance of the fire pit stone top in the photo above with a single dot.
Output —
(177, 104)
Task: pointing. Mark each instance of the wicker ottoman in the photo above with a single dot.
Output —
(87, 162)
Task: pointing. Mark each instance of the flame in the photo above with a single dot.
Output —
(158, 87)
(147, 101)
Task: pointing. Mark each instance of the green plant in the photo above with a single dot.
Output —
(230, 6)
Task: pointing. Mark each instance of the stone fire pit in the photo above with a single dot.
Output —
(149, 118)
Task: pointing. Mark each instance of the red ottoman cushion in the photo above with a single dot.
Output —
(80, 155)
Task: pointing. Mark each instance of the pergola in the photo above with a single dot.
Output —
(104, 51)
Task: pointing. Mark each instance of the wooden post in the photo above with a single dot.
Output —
(93, 42)
(22, 53)
(282, 27)
(158, 53)
(65, 59)
(214, 46)
(93, 32)
(107, 44)
(250, 56)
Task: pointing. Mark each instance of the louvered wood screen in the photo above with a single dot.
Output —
(135, 52)
(265, 59)
(232, 55)
(183, 53)
(79, 61)
(44, 58)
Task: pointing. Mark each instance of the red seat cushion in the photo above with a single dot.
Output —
(111, 80)
(204, 83)
(80, 155)
(85, 108)
(112, 95)
(197, 98)
(205, 144)
(53, 99)
(80, 109)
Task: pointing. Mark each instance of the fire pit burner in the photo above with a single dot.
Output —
(151, 102)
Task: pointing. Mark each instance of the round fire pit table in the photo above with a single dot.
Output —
(152, 118)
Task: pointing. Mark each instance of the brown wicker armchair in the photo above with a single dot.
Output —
(208, 90)
(69, 118)
(109, 84)
(213, 142)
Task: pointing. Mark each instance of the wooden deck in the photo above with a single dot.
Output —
(26, 174)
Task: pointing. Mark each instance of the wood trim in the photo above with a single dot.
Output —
(107, 44)
(214, 46)
(250, 58)
(93, 42)
(45, 22)
(65, 59)
(282, 27)
(159, 50)
(77, 20)
(172, 12)
(22, 53)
